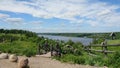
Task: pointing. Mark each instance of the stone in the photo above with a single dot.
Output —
(54, 53)
(3, 56)
(23, 63)
(13, 58)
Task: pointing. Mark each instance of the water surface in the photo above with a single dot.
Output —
(85, 41)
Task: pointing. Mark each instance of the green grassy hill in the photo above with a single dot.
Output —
(18, 42)
(26, 43)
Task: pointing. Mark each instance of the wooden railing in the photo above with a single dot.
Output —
(104, 48)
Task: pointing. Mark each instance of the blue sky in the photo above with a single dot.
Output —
(61, 15)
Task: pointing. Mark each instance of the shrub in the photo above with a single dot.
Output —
(68, 58)
(19, 48)
(114, 60)
(72, 59)
(79, 60)
(29, 53)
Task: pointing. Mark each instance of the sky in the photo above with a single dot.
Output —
(61, 16)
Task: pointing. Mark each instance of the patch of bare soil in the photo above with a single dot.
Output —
(42, 61)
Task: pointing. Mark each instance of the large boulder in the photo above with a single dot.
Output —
(13, 58)
(3, 56)
(54, 53)
(23, 63)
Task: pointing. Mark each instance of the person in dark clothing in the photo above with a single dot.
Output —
(39, 49)
(58, 49)
(51, 49)
(46, 47)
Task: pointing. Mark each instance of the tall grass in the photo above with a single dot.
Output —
(19, 48)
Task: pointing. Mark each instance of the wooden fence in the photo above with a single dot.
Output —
(104, 48)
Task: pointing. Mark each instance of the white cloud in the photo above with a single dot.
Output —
(14, 20)
(105, 12)
(36, 22)
(93, 23)
(3, 15)
(6, 18)
(95, 14)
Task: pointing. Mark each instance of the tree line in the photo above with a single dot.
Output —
(15, 31)
(89, 35)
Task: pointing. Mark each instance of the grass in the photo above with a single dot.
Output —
(100, 61)
(114, 41)
(111, 61)
(83, 59)
(70, 58)
(20, 44)
(110, 48)
(19, 48)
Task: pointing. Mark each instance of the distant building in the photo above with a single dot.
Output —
(113, 35)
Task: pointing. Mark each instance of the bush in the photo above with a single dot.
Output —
(83, 59)
(98, 40)
(67, 58)
(114, 61)
(18, 42)
(79, 60)
(72, 59)
(19, 48)
(29, 52)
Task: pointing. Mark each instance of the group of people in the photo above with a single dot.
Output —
(55, 50)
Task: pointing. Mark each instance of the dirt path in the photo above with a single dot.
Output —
(42, 62)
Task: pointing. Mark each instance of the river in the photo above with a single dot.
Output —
(85, 41)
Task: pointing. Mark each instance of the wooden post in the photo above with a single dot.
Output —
(89, 48)
(51, 49)
(104, 47)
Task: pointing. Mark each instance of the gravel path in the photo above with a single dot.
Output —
(42, 62)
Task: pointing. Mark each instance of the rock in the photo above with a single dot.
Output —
(54, 53)
(23, 63)
(68, 46)
(43, 52)
(105, 67)
(13, 58)
(4, 56)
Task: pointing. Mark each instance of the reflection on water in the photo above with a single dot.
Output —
(85, 41)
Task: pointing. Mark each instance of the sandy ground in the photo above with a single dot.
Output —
(42, 61)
